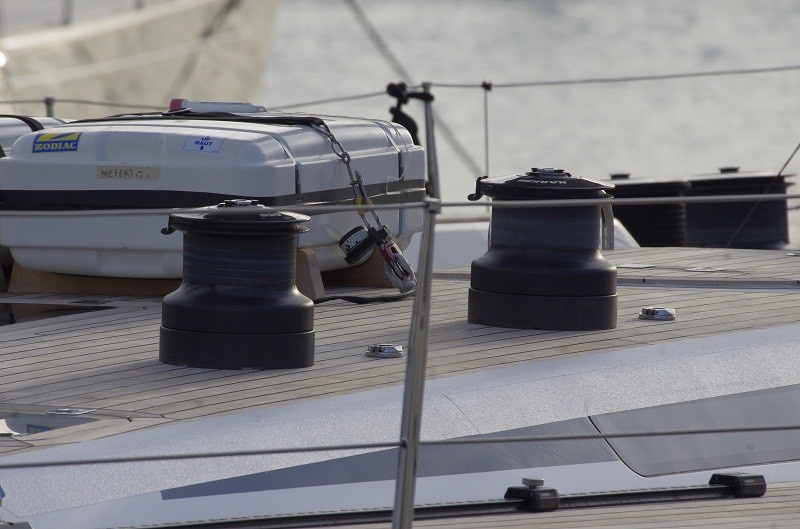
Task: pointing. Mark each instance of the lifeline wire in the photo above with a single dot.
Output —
(655, 77)
(628, 79)
(53, 100)
(488, 86)
(363, 446)
(334, 100)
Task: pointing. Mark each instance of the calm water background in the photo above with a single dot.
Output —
(662, 129)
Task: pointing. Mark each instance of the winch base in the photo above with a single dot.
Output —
(557, 313)
(236, 351)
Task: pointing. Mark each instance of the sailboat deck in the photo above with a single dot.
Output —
(107, 360)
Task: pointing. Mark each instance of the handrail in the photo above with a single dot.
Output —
(416, 365)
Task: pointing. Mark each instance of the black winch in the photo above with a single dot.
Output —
(651, 224)
(543, 269)
(755, 224)
(237, 306)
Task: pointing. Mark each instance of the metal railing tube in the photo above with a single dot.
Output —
(403, 514)
(607, 217)
(430, 147)
(49, 106)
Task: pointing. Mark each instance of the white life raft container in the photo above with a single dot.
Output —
(90, 197)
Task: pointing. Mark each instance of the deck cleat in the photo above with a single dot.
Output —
(384, 350)
(536, 497)
(657, 313)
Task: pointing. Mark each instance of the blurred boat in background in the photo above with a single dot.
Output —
(144, 55)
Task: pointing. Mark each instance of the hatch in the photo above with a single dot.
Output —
(14, 424)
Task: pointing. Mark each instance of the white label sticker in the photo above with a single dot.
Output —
(127, 172)
(202, 144)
